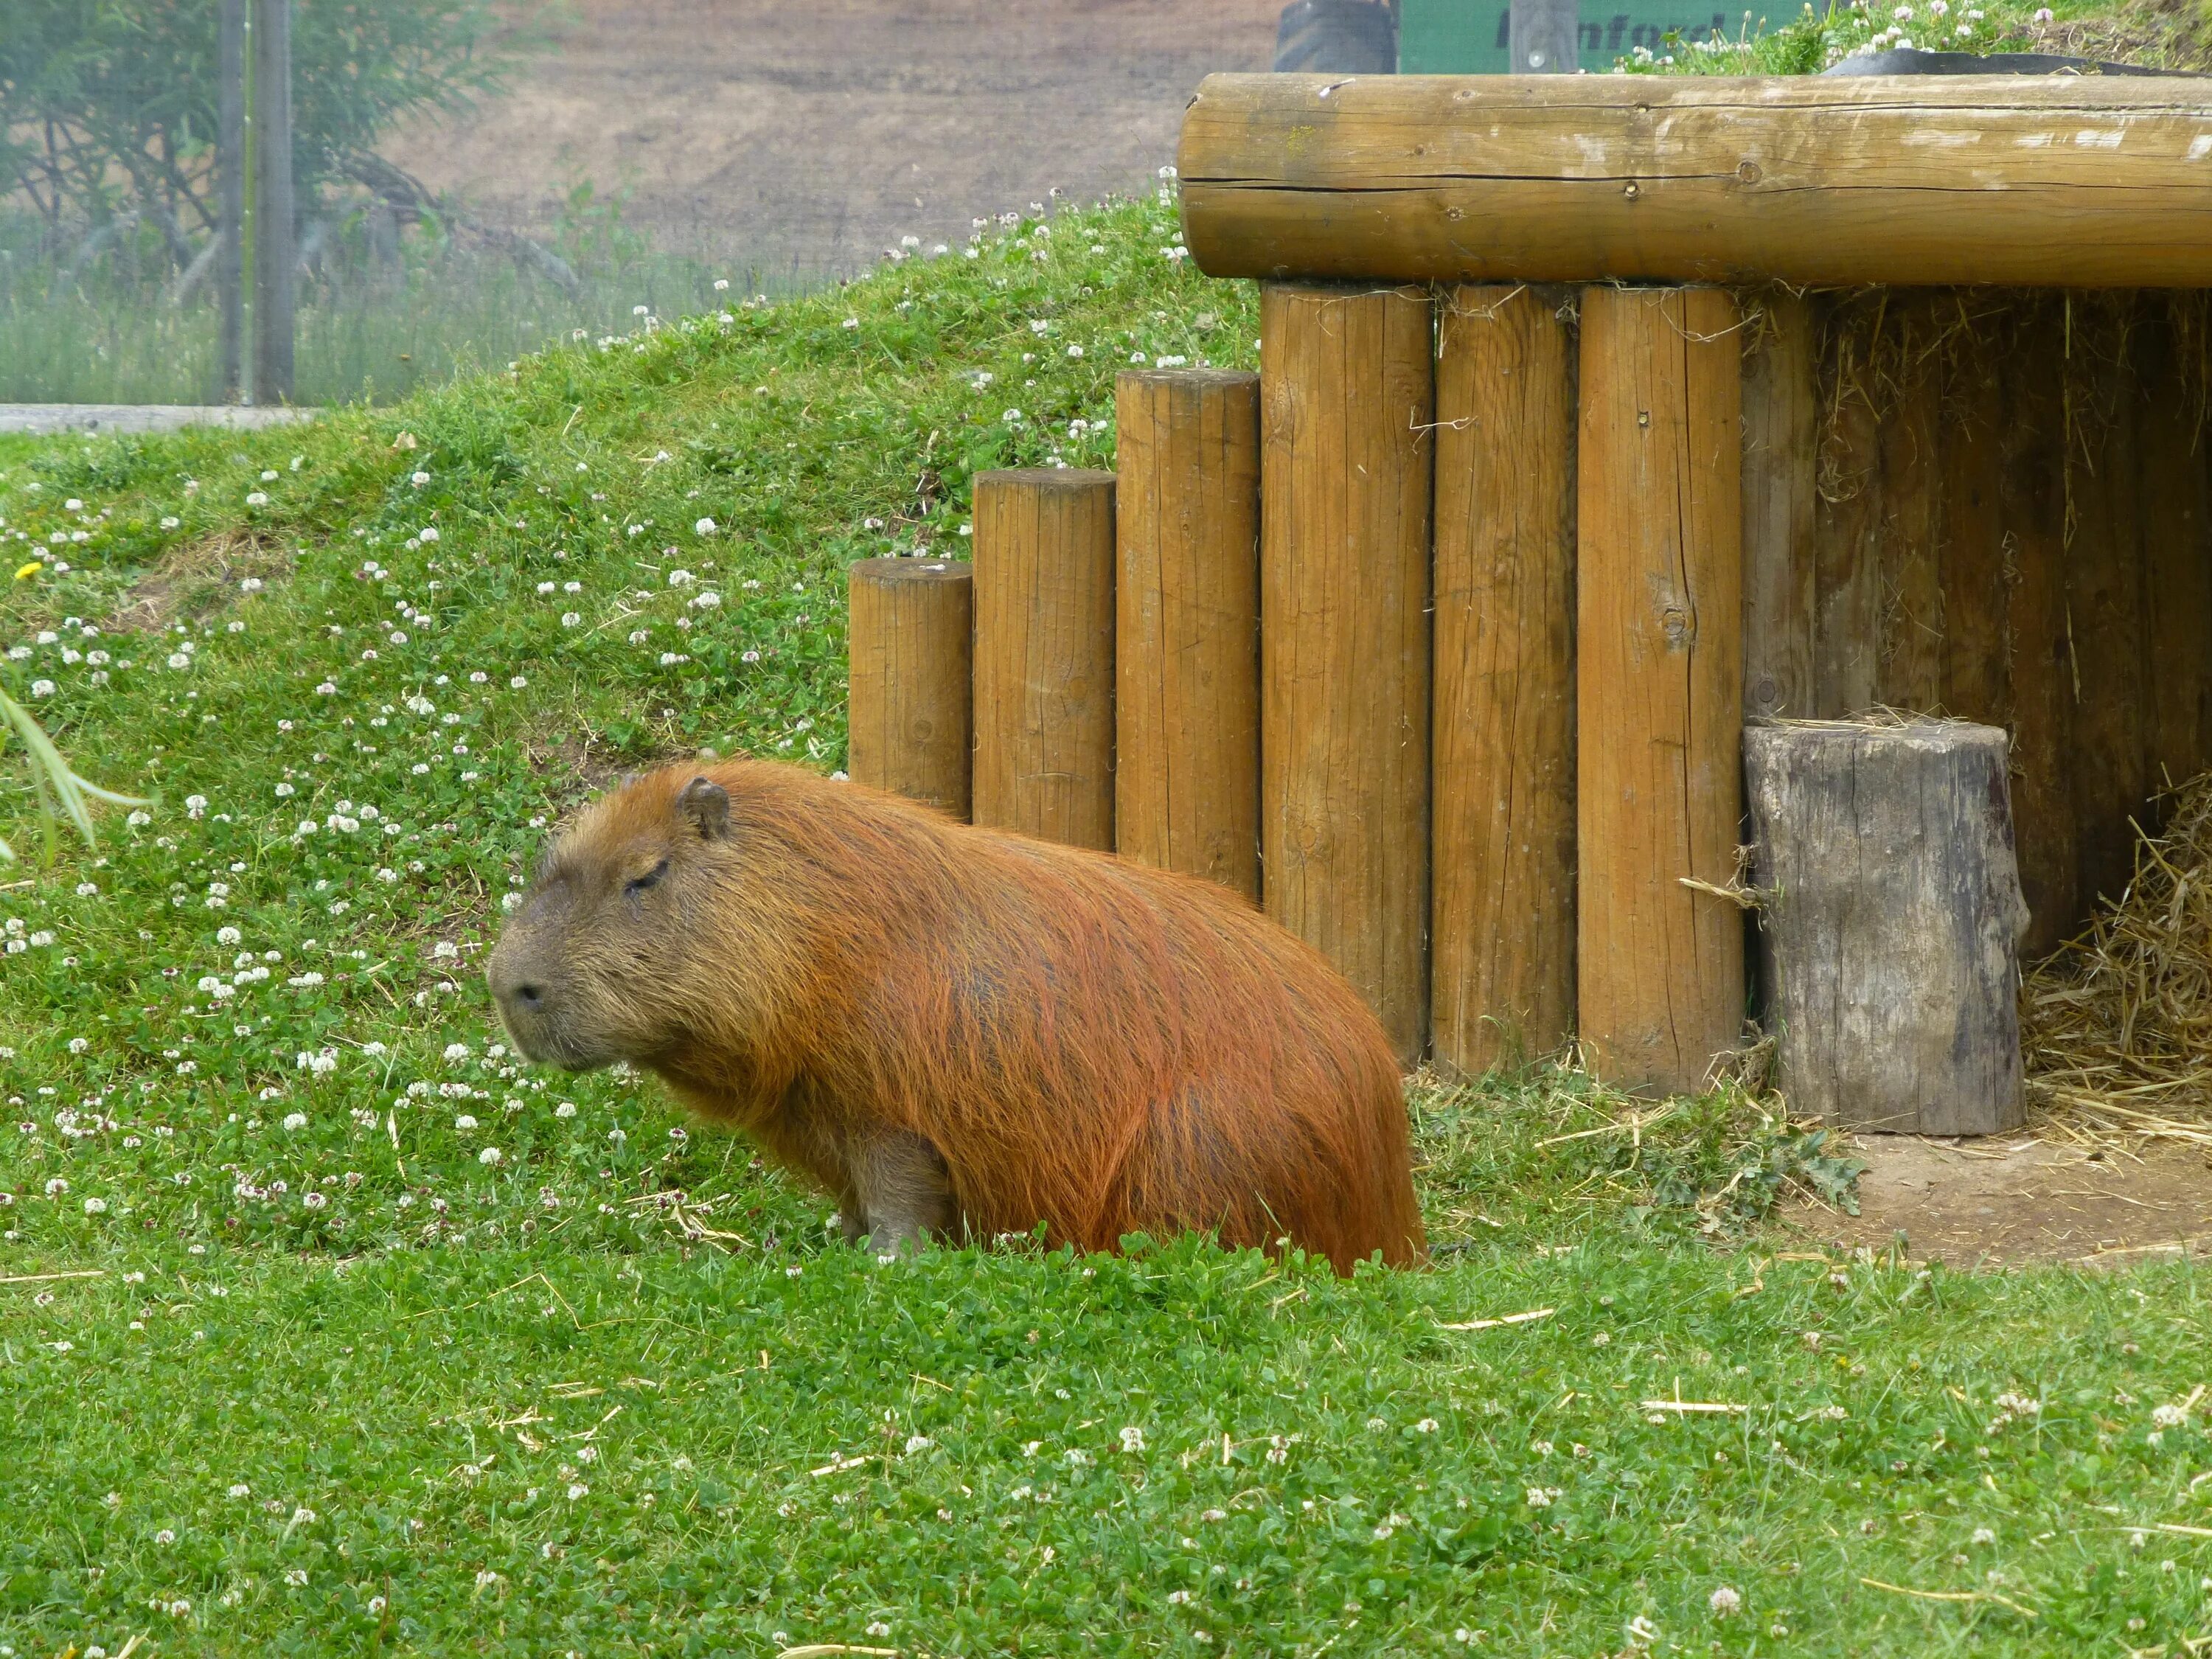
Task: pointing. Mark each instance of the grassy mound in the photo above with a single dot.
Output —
(326, 1327)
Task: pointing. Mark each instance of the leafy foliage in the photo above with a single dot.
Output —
(110, 105)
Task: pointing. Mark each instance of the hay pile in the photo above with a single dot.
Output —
(2117, 1025)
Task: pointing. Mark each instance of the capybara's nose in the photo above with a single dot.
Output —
(528, 996)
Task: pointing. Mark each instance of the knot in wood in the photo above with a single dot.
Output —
(1675, 622)
(1748, 172)
(1630, 191)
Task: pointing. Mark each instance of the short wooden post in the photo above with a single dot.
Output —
(1347, 387)
(1781, 456)
(1501, 919)
(1892, 911)
(1659, 682)
(910, 634)
(1187, 596)
(1044, 654)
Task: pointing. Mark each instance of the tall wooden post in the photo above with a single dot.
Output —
(1044, 654)
(1186, 656)
(1502, 917)
(230, 213)
(2032, 512)
(1780, 461)
(2177, 536)
(274, 225)
(1910, 676)
(1347, 388)
(1659, 660)
(910, 629)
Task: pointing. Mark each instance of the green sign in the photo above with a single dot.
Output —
(1468, 37)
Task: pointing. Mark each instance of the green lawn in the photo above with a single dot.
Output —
(388, 1344)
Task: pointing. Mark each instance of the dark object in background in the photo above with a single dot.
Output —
(1337, 37)
(1905, 60)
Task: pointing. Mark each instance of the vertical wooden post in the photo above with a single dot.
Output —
(1044, 654)
(1501, 919)
(230, 214)
(2177, 535)
(1659, 682)
(1347, 388)
(2032, 509)
(2108, 763)
(1847, 521)
(1973, 555)
(910, 633)
(1910, 675)
(1187, 642)
(274, 225)
(1780, 456)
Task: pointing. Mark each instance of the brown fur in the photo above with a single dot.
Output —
(885, 998)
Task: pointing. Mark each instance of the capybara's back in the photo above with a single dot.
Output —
(1063, 1038)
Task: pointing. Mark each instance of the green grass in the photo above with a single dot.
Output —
(489, 1385)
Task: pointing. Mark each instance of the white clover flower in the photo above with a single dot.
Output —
(77, 1045)
(1132, 1440)
(242, 1490)
(257, 498)
(577, 1490)
(2168, 1417)
(1725, 1602)
(491, 1155)
(226, 936)
(566, 1109)
(419, 479)
(313, 1201)
(170, 522)
(680, 579)
(704, 527)
(42, 688)
(95, 1207)
(429, 532)
(569, 619)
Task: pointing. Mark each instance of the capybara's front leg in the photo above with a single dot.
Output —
(905, 1191)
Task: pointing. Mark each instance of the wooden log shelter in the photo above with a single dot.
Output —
(1597, 416)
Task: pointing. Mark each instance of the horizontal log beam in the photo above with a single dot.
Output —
(2086, 181)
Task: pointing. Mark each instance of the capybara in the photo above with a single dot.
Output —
(960, 1031)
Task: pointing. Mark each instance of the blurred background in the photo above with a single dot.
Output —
(470, 178)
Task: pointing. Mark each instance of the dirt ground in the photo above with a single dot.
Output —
(2009, 1200)
(811, 136)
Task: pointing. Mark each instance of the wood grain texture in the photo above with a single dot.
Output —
(910, 637)
(1659, 682)
(2177, 538)
(1910, 675)
(2107, 762)
(1044, 654)
(1347, 391)
(1187, 593)
(1781, 440)
(1502, 928)
(2074, 182)
(1847, 522)
(2032, 511)
(1893, 912)
(1972, 552)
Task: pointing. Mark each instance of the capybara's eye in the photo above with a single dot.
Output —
(639, 884)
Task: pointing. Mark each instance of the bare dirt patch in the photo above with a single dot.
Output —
(198, 580)
(808, 138)
(2009, 1200)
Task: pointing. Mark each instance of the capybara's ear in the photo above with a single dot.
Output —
(706, 803)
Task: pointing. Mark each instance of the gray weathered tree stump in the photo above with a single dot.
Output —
(1891, 913)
